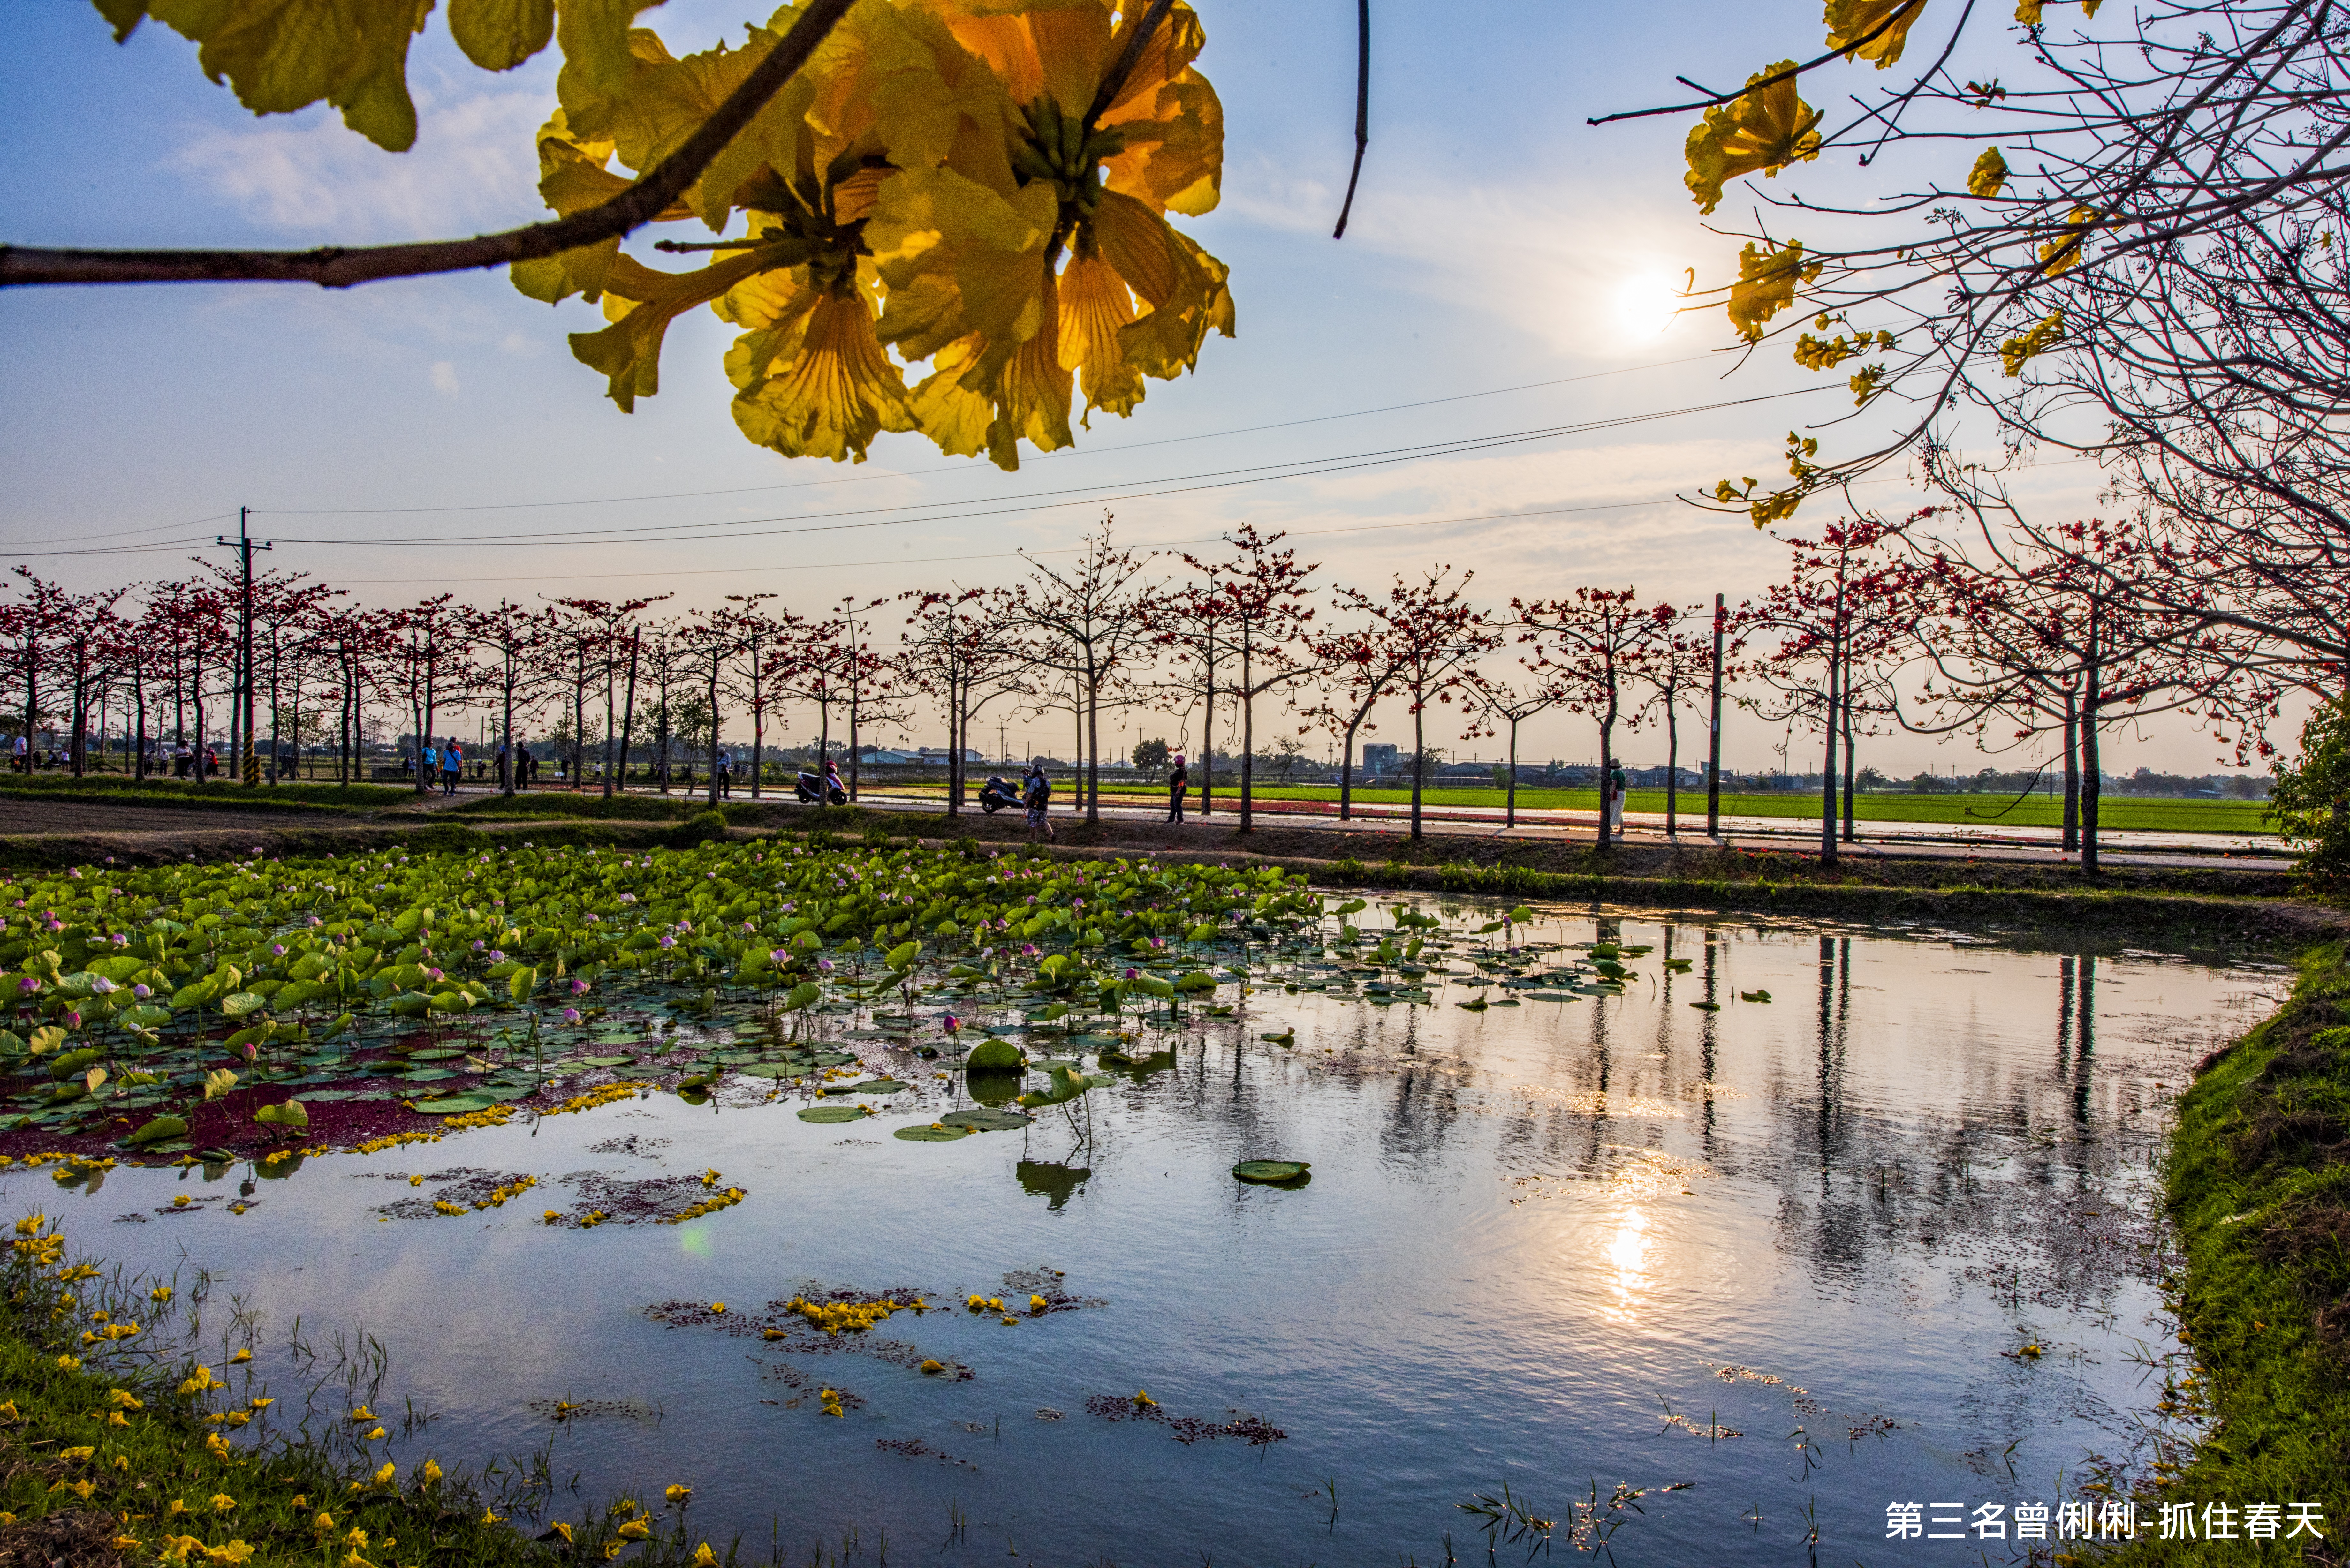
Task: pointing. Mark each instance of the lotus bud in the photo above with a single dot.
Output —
(570, 1016)
(141, 992)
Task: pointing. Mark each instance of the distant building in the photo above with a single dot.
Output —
(872, 755)
(941, 755)
(1380, 758)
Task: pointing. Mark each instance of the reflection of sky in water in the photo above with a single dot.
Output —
(1532, 1233)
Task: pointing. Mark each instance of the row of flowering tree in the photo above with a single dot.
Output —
(1939, 624)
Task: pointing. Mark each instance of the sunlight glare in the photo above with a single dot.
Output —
(1628, 1251)
(1646, 303)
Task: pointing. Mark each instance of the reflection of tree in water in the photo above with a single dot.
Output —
(1051, 1179)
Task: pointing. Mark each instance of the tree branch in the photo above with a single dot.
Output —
(1362, 111)
(1847, 51)
(336, 266)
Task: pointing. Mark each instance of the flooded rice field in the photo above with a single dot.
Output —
(1700, 1240)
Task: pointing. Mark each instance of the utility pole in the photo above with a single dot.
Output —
(241, 720)
(1713, 748)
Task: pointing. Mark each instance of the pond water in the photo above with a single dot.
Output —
(1885, 1236)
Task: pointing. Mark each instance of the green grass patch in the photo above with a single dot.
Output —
(2114, 812)
(127, 1452)
(532, 805)
(217, 794)
(2258, 1184)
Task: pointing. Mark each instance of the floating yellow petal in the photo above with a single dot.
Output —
(1764, 129)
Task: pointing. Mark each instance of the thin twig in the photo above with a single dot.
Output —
(335, 266)
(1846, 52)
(1362, 111)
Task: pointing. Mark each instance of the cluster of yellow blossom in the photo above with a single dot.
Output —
(393, 1141)
(831, 1400)
(710, 1205)
(833, 1316)
(490, 1116)
(970, 182)
(603, 1096)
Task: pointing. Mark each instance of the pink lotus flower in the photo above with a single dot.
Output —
(28, 985)
(277, 950)
(103, 985)
(824, 966)
(73, 1019)
(434, 974)
(579, 987)
(478, 944)
(669, 942)
(118, 939)
(952, 1022)
(1131, 975)
(570, 1016)
(496, 957)
(248, 1051)
(141, 992)
(628, 898)
(1027, 949)
(779, 955)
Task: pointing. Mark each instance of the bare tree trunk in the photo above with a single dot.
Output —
(713, 731)
(1419, 759)
(1512, 818)
(1672, 767)
(2072, 773)
(628, 706)
(1828, 769)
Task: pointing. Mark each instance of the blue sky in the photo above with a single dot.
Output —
(1509, 269)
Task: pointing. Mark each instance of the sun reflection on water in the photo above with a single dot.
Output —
(1628, 1250)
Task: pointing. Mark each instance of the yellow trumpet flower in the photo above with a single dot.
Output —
(634, 1530)
(703, 1557)
(678, 1493)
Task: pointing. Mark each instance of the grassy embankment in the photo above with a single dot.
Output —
(215, 794)
(2259, 1185)
(119, 1453)
(2120, 813)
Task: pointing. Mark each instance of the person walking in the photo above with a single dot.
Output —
(428, 762)
(1177, 783)
(1615, 803)
(722, 769)
(1037, 790)
(453, 765)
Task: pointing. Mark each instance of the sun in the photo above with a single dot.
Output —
(1647, 304)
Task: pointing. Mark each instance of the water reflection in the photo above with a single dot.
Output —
(1835, 1213)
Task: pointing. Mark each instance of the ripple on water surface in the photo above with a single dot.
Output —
(1781, 1255)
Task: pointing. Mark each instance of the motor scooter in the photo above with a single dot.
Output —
(995, 794)
(812, 789)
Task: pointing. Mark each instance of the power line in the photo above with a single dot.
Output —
(1173, 484)
(961, 468)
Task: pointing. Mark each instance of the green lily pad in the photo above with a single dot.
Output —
(437, 1054)
(160, 1130)
(316, 1096)
(987, 1119)
(605, 1061)
(430, 1074)
(992, 1055)
(455, 1104)
(773, 1070)
(877, 1086)
(929, 1134)
(836, 1059)
(502, 1092)
(1270, 1171)
(833, 1114)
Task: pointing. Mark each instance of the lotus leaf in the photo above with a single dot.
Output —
(929, 1133)
(993, 1056)
(833, 1114)
(985, 1118)
(157, 1131)
(455, 1104)
(1272, 1172)
(242, 1003)
(289, 1115)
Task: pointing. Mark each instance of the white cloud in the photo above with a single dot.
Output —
(444, 379)
(474, 166)
(1587, 285)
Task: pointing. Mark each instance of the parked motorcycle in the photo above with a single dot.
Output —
(812, 789)
(995, 794)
